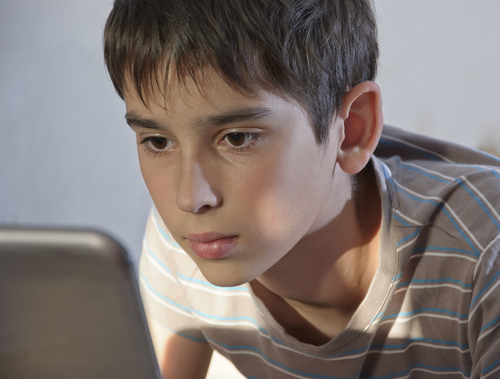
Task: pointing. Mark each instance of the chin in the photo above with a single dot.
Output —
(221, 275)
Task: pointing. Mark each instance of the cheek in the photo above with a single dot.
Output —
(160, 184)
(280, 205)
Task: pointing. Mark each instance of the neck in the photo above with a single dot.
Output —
(328, 273)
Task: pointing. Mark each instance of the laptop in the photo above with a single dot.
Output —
(70, 308)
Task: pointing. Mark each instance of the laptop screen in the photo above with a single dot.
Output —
(69, 308)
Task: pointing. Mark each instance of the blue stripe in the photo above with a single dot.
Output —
(403, 345)
(446, 343)
(256, 350)
(158, 260)
(491, 156)
(484, 289)
(419, 249)
(485, 169)
(480, 203)
(204, 283)
(186, 309)
(494, 364)
(436, 310)
(192, 310)
(444, 280)
(377, 316)
(413, 366)
(495, 173)
(397, 277)
(204, 340)
(438, 205)
(402, 221)
(407, 147)
(168, 238)
(422, 172)
(490, 323)
(460, 230)
(441, 207)
(409, 236)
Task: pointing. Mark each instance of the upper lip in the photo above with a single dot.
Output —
(207, 236)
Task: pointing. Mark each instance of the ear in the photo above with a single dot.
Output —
(361, 122)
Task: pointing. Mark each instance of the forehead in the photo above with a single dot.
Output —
(205, 95)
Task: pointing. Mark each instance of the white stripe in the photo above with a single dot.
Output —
(147, 251)
(493, 241)
(464, 227)
(398, 212)
(431, 372)
(249, 352)
(488, 332)
(492, 209)
(419, 343)
(422, 286)
(163, 302)
(215, 291)
(490, 168)
(490, 373)
(167, 243)
(254, 326)
(409, 243)
(484, 297)
(188, 283)
(447, 207)
(160, 268)
(211, 321)
(401, 319)
(417, 147)
(435, 173)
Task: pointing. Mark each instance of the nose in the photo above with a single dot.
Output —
(195, 194)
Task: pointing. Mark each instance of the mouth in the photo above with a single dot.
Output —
(211, 245)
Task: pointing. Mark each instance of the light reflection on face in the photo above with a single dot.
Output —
(244, 166)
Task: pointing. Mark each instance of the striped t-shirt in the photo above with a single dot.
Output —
(433, 307)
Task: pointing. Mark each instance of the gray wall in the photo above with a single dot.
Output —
(67, 158)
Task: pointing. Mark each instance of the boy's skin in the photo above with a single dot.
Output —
(307, 245)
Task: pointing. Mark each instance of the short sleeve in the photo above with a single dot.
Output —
(484, 314)
(162, 293)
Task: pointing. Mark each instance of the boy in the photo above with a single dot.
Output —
(289, 233)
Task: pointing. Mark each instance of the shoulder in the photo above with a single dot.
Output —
(439, 183)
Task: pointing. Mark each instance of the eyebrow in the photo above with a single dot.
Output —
(230, 117)
(234, 116)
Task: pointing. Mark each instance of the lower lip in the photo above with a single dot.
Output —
(216, 249)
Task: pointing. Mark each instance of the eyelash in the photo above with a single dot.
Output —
(147, 142)
(235, 149)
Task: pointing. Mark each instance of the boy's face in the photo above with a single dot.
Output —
(238, 180)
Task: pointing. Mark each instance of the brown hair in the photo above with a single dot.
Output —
(309, 50)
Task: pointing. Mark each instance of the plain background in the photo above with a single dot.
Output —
(67, 158)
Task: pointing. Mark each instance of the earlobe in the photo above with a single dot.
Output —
(362, 123)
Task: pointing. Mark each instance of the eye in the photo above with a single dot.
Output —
(240, 140)
(157, 144)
